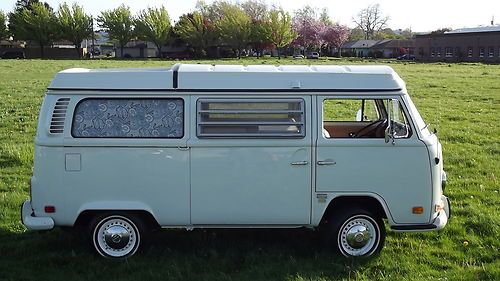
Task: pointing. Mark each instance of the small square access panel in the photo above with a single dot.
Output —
(73, 162)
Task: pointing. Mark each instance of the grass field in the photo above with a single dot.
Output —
(462, 101)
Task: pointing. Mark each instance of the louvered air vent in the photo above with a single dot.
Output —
(59, 116)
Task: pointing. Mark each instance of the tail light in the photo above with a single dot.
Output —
(49, 209)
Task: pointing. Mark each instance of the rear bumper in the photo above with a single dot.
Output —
(438, 223)
(34, 223)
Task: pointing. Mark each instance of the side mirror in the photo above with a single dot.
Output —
(388, 134)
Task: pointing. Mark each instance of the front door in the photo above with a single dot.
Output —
(251, 161)
(353, 156)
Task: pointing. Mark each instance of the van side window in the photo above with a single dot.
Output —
(128, 118)
(257, 118)
(354, 118)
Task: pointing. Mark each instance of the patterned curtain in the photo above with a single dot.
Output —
(129, 118)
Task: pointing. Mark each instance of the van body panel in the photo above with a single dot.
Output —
(156, 177)
(287, 178)
(322, 200)
(46, 183)
(250, 185)
(372, 165)
(250, 181)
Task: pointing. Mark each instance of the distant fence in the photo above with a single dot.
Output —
(49, 53)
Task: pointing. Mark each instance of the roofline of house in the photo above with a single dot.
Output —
(432, 35)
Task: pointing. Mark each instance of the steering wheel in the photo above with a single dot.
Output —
(370, 130)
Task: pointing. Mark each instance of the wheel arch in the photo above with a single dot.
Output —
(88, 211)
(370, 202)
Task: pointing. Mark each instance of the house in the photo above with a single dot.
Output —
(392, 48)
(479, 44)
(137, 49)
(360, 48)
(386, 48)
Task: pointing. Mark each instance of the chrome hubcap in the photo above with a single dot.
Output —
(358, 236)
(117, 237)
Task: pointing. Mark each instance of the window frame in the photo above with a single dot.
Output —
(381, 111)
(448, 52)
(412, 127)
(130, 98)
(302, 123)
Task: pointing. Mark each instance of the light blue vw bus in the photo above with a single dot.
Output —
(340, 148)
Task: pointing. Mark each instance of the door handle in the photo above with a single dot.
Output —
(183, 148)
(297, 163)
(326, 162)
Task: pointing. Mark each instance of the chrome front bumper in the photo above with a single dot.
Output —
(439, 222)
(34, 223)
(442, 219)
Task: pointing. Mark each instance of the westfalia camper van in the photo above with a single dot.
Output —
(339, 148)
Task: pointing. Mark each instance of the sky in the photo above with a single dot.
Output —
(419, 15)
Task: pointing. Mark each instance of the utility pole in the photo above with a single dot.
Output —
(92, 50)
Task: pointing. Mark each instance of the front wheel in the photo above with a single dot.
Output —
(116, 235)
(356, 233)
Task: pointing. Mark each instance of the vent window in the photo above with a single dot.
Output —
(262, 118)
(59, 116)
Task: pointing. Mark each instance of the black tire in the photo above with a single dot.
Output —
(355, 232)
(117, 235)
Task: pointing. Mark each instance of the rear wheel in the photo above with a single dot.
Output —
(117, 235)
(356, 233)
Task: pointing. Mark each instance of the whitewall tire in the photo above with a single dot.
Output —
(116, 236)
(356, 233)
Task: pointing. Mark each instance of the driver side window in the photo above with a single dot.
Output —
(354, 118)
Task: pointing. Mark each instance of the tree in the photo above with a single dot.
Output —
(335, 36)
(407, 33)
(256, 9)
(387, 33)
(3, 26)
(154, 25)
(234, 28)
(324, 17)
(441, 30)
(214, 11)
(38, 24)
(280, 32)
(195, 30)
(74, 25)
(371, 20)
(119, 23)
(356, 34)
(26, 4)
(308, 28)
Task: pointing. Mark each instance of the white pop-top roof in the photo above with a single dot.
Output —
(185, 77)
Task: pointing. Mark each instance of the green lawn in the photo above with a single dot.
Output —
(460, 100)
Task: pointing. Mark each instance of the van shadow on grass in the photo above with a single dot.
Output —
(229, 254)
